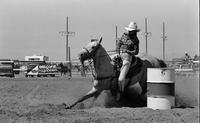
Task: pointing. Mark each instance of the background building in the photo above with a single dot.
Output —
(36, 58)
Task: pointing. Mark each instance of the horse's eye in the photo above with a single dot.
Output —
(93, 47)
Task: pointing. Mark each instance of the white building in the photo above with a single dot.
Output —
(36, 58)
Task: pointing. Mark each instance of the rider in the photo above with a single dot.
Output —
(187, 57)
(127, 47)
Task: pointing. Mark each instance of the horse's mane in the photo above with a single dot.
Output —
(105, 53)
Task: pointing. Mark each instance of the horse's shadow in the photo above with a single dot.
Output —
(107, 100)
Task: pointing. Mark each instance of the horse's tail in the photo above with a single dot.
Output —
(162, 63)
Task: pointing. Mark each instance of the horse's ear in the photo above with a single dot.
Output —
(100, 40)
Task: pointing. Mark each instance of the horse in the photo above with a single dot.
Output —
(105, 77)
(63, 69)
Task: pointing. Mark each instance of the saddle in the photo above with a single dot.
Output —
(135, 68)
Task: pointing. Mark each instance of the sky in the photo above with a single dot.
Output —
(30, 27)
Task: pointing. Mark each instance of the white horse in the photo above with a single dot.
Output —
(105, 77)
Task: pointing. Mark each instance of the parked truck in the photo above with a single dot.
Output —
(6, 68)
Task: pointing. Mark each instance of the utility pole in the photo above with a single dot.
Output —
(164, 37)
(67, 58)
(67, 34)
(70, 63)
(146, 34)
(69, 54)
(116, 31)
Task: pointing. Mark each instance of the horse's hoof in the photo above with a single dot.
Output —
(61, 106)
(118, 97)
(67, 106)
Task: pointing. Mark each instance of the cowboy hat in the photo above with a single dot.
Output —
(132, 26)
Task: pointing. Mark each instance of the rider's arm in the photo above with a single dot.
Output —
(133, 48)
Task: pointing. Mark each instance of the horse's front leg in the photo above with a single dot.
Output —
(92, 93)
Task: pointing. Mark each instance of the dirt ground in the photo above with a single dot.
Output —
(39, 100)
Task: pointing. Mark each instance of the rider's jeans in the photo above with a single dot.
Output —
(126, 58)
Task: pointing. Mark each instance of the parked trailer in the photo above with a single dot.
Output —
(6, 68)
(43, 70)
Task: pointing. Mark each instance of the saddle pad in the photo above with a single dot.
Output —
(134, 69)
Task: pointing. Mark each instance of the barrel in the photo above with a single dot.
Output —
(161, 88)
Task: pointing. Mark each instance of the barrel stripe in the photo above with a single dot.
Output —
(161, 89)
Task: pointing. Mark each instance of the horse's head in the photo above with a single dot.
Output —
(89, 51)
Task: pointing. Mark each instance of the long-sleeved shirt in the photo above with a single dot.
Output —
(128, 44)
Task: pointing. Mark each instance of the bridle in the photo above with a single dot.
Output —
(90, 56)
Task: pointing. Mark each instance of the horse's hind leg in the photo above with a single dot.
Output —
(135, 96)
(134, 90)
